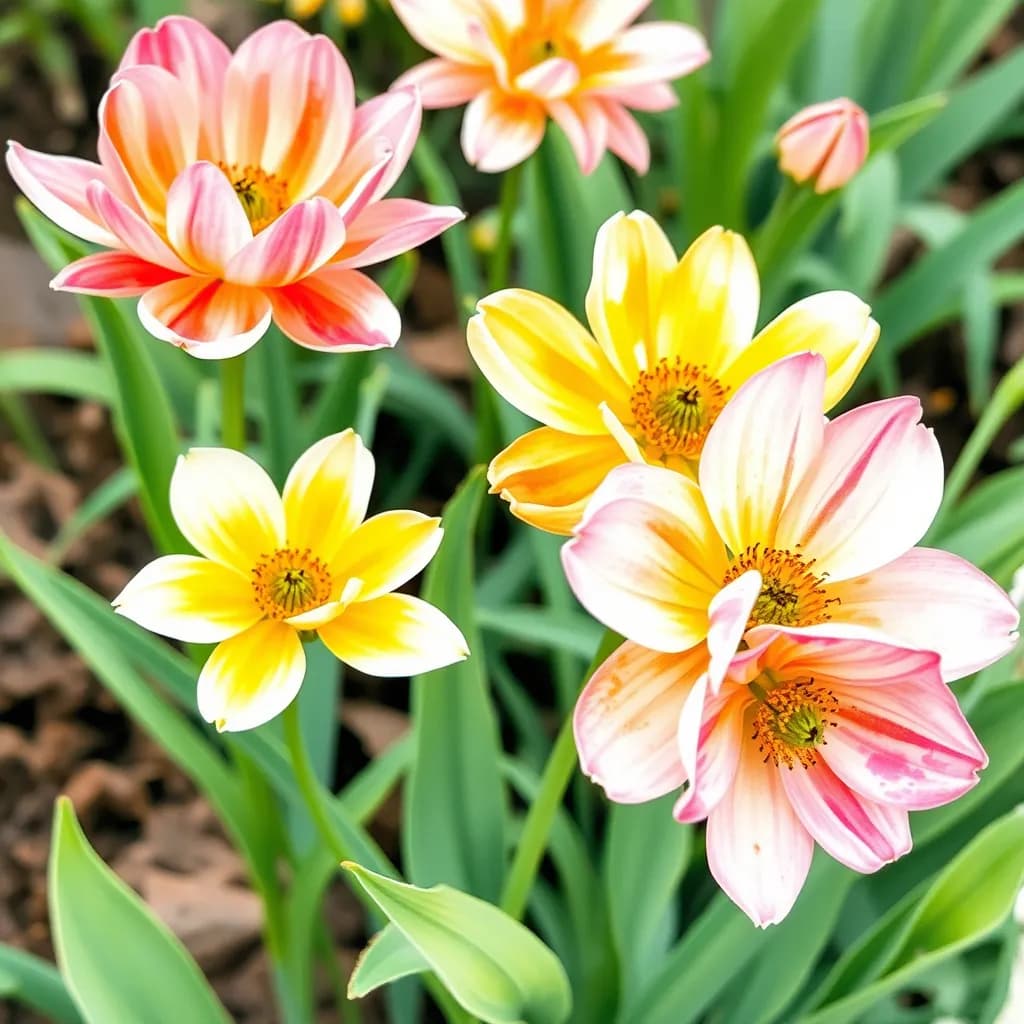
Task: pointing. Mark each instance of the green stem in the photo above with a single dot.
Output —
(232, 402)
(501, 258)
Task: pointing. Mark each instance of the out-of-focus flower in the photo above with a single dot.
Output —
(825, 143)
(808, 738)
(275, 568)
(797, 521)
(351, 13)
(519, 62)
(671, 343)
(236, 189)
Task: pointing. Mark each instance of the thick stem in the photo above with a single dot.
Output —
(501, 258)
(232, 403)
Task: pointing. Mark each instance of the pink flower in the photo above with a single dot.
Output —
(825, 143)
(233, 189)
(797, 521)
(519, 62)
(803, 738)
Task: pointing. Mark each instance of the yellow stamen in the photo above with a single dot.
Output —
(263, 196)
(792, 720)
(288, 582)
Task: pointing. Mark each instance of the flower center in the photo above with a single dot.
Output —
(791, 720)
(264, 197)
(791, 595)
(674, 406)
(288, 581)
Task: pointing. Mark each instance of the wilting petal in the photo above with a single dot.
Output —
(759, 449)
(938, 602)
(336, 310)
(57, 186)
(651, 52)
(626, 719)
(392, 226)
(500, 131)
(131, 230)
(836, 325)
(645, 560)
(114, 274)
(539, 358)
(585, 126)
(596, 21)
(394, 635)
(190, 599)
(445, 83)
(872, 492)
(227, 507)
(626, 139)
(632, 262)
(548, 476)
(326, 494)
(206, 223)
(442, 28)
(210, 319)
(758, 851)
(251, 678)
(859, 833)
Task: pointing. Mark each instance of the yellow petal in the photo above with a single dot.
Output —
(547, 476)
(540, 359)
(632, 262)
(252, 677)
(836, 325)
(394, 635)
(190, 599)
(317, 617)
(709, 308)
(226, 506)
(326, 493)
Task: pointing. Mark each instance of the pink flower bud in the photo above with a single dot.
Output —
(825, 143)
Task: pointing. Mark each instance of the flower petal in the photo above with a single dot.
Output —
(548, 476)
(336, 310)
(551, 79)
(728, 614)
(938, 602)
(392, 226)
(836, 325)
(251, 678)
(114, 274)
(539, 358)
(394, 635)
(445, 83)
(190, 599)
(227, 507)
(582, 119)
(647, 53)
(326, 494)
(626, 138)
(441, 28)
(759, 449)
(596, 21)
(500, 131)
(131, 230)
(626, 719)
(871, 493)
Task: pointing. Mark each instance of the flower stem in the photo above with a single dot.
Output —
(232, 402)
(501, 258)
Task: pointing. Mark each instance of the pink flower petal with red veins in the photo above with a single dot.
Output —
(586, 127)
(193, 54)
(626, 720)
(597, 21)
(392, 226)
(936, 601)
(132, 231)
(296, 245)
(857, 832)
(336, 310)
(760, 447)
(208, 318)
(870, 495)
(114, 274)
(758, 850)
(58, 187)
(444, 83)
(499, 131)
(651, 52)
(550, 79)
(626, 139)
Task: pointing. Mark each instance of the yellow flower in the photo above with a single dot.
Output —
(276, 568)
(672, 341)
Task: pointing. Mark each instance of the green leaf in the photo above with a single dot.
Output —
(119, 961)
(388, 957)
(56, 372)
(981, 337)
(109, 495)
(455, 798)
(529, 626)
(26, 979)
(494, 967)
(274, 400)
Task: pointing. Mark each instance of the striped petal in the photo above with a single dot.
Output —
(132, 231)
(389, 227)
(114, 274)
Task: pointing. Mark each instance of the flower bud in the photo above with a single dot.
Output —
(825, 143)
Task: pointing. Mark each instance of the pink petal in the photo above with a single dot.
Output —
(57, 186)
(727, 621)
(626, 720)
(597, 21)
(336, 310)
(586, 127)
(626, 139)
(654, 97)
(859, 833)
(758, 850)
(550, 79)
(936, 601)
(651, 52)
(846, 156)
(296, 245)
(445, 83)
(392, 226)
(871, 493)
(114, 274)
(208, 318)
(499, 131)
(749, 472)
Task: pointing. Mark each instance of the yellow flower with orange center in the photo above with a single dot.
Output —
(671, 340)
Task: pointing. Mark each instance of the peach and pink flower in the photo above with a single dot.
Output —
(517, 63)
(825, 144)
(234, 189)
(804, 737)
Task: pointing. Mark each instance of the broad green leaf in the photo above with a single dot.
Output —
(388, 957)
(56, 372)
(455, 799)
(34, 983)
(120, 962)
(530, 626)
(494, 967)
(866, 223)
